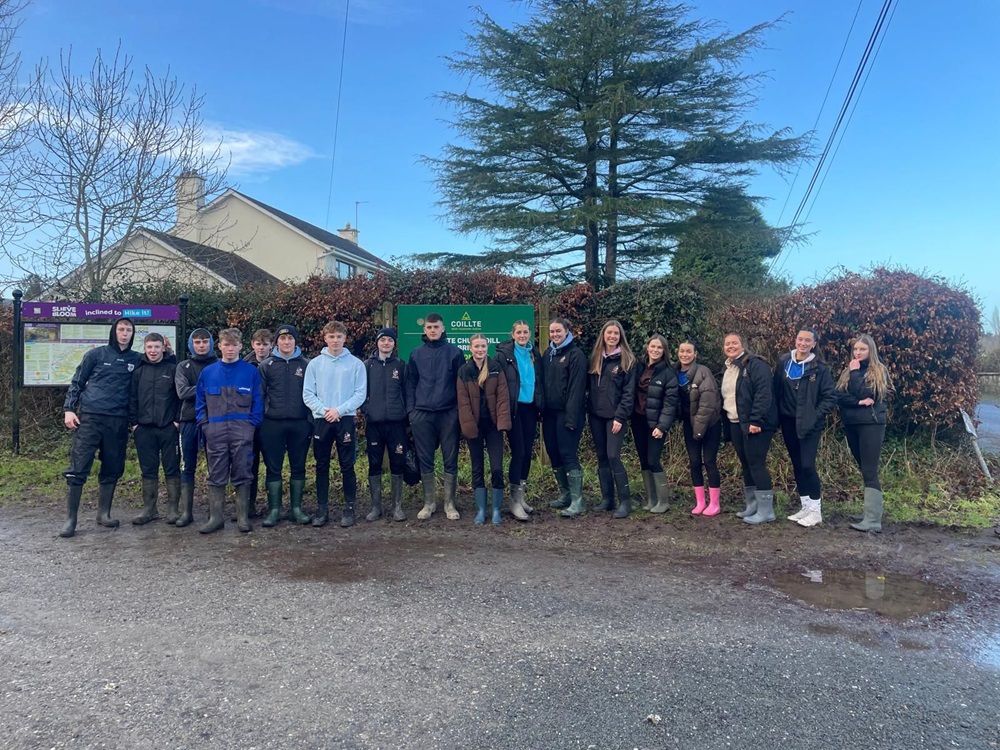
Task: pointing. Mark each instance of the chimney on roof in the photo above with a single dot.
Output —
(349, 234)
(190, 198)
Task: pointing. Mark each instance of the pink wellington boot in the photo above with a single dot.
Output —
(713, 508)
(699, 498)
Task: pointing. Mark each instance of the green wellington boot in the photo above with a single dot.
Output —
(874, 505)
(187, 506)
(650, 488)
(576, 505)
(375, 492)
(274, 491)
(430, 500)
(562, 502)
(173, 499)
(607, 482)
(295, 489)
(662, 493)
(624, 495)
(243, 508)
(216, 509)
(396, 485)
(450, 490)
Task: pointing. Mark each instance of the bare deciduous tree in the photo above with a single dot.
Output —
(12, 116)
(106, 151)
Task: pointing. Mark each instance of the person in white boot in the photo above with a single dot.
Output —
(804, 390)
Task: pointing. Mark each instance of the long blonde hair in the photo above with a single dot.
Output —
(484, 371)
(596, 358)
(876, 378)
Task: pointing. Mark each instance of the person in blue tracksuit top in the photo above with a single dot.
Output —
(335, 387)
(229, 407)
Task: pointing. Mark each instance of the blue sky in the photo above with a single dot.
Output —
(912, 182)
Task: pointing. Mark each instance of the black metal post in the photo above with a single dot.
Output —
(17, 379)
(181, 348)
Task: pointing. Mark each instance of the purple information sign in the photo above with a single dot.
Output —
(98, 311)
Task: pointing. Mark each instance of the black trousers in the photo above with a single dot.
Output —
(432, 429)
(522, 442)
(343, 434)
(191, 442)
(608, 444)
(752, 452)
(865, 442)
(802, 451)
(648, 447)
(382, 437)
(703, 454)
(98, 435)
(491, 440)
(280, 436)
(562, 445)
(156, 445)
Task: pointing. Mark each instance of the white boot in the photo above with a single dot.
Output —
(814, 515)
(804, 511)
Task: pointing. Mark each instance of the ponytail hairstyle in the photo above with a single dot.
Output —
(596, 356)
(531, 334)
(484, 371)
(663, 342)
(876, 378)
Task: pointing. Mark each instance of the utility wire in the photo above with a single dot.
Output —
(859, 76)
(819, 115)
(850, 117)
(336, 118)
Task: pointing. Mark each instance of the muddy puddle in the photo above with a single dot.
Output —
(895, 596)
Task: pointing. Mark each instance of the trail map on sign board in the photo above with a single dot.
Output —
(52, 351)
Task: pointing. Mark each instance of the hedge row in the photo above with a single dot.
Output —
(926, 329)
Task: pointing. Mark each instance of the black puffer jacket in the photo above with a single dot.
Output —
(661, 396)
(853, 413)
(152, 397)
(100, 384)
(281, 383)
(565, 376)
(611, 392)
(755, 402)
(188, 372)
(508, 361)
(809, 399)
(386, 399)
(431, 374)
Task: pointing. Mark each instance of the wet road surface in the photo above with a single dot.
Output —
(399, 635)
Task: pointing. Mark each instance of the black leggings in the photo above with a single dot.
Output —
(648, 447)
(562, 445)
(490, 439)
(802, 451)
(752, 452)
(865, 442)
(522, 442)
(704, 453)
(608, 444)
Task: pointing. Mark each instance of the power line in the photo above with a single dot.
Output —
(336, 118)
(819, 115)
(850, 116)
(859, 75)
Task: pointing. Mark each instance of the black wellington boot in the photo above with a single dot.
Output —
(150, 489)
(72, 508)
(104, 506)
(397, 497)
(624, 495)
(243, 508)
(173, 499)
(607, 482)
(216, 509)
(187, 506)
(375, 490)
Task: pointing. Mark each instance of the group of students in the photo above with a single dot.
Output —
(275, 402)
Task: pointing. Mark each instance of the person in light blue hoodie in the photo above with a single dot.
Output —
(336, 385)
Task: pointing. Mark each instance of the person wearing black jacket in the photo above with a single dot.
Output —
(803, 388)
(432, 408)
(201, 347)
(99, 391)
(385, 423)
(564, 372)
(699, 408)
(610, 394)
(153, 413)
(751, 419)
(287, 424)
(522, 366)
(653, 414)
(862, 390)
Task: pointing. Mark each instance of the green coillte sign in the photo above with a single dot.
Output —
(460, 322)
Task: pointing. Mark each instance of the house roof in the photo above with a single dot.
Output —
(320, 235)
(229, 266)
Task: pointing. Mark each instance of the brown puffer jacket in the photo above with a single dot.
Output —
(497, 397)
